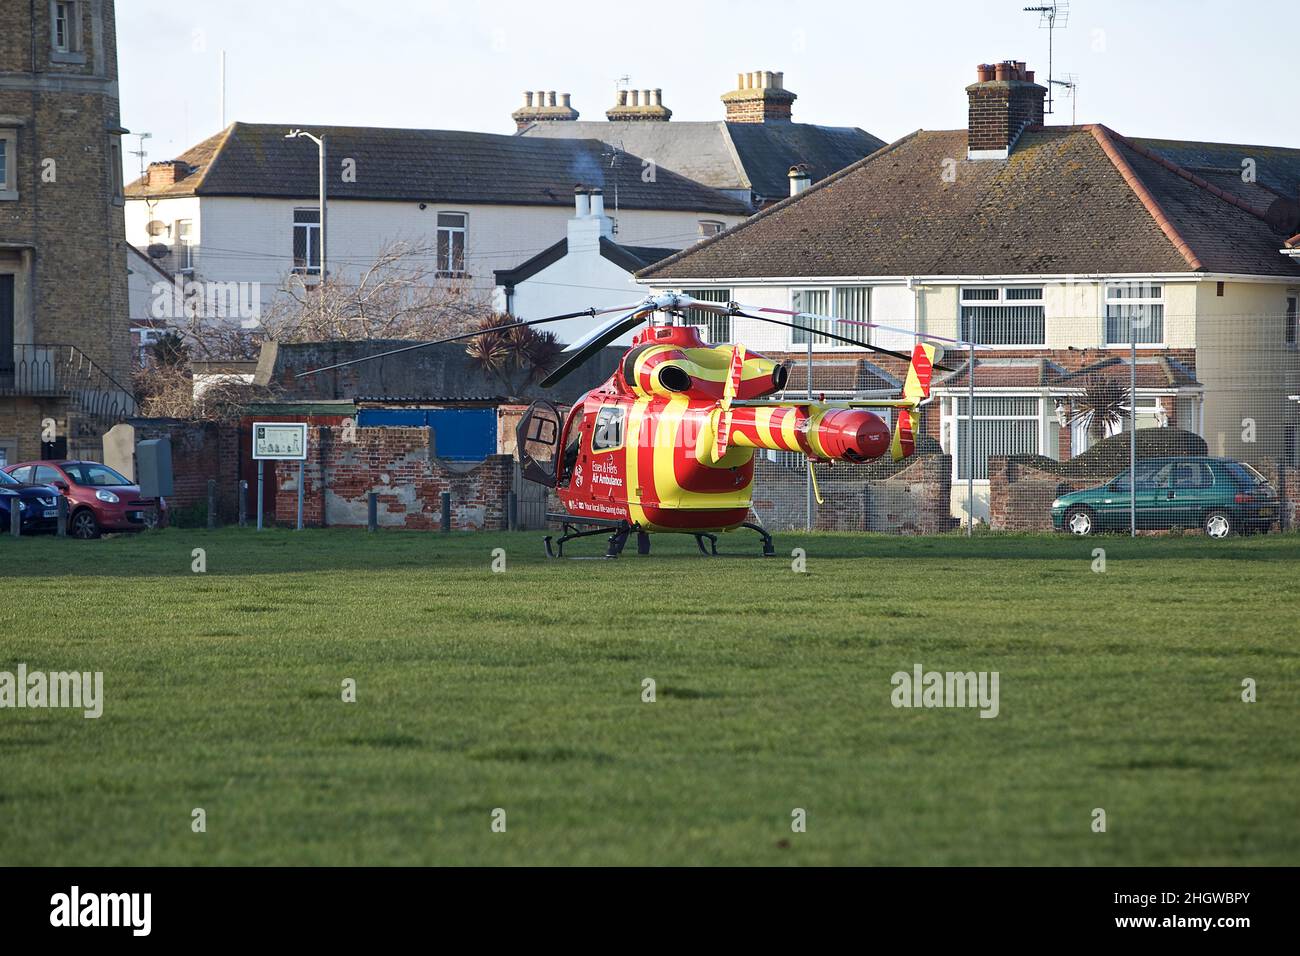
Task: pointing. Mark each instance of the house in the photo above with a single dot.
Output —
(1048, 247)
(236, 217)
(64, 339)
(746, 155)
(586, 268)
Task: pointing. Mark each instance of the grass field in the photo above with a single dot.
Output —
(522, 690)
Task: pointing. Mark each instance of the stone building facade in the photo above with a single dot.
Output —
(64, 332)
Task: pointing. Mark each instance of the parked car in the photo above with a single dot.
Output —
(99, 498)
(1218, 495)
(38, 505)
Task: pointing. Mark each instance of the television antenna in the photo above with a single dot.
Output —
(141, 151)
(1051, 16)
(1071, 87)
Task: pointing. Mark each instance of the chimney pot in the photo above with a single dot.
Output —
(598, 202)
(528, 98)
(581, 201)
(550, 98)
(740, 81)
(767, 79)
(622, 98)
(636, 97)
(778, 80)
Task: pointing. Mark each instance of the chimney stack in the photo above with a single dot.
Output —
(800, 178)
(540, 107)
(167, 172)
(1004, 102)
(639, 106)
(759, 97)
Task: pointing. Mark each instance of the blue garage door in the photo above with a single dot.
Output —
(459, 434)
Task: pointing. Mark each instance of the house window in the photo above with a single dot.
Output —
(1002, 425)
(841, 311)
(184, 245)
(1010, 316)
(65, 26)
(1140, 305)
(714, 328)
(451, 243)
(1292, 333)
(306, 241)
(710, 227)
(8, 164)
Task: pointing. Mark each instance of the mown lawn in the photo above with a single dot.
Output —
(522, 690)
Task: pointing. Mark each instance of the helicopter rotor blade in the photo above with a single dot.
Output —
(590, 344)
(831, 335)
(466, 335)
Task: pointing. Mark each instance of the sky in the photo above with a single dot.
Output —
(1190, 69)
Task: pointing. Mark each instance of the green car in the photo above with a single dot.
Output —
(1219, 495)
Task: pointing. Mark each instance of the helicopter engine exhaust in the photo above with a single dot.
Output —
(846, 434)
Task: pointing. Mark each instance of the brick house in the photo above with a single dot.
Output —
(1044, 245)
(64, 340)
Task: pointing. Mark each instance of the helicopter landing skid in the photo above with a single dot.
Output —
(768, 549)
(570, 525)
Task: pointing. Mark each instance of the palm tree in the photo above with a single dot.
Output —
(1101, 408)
(515, 357)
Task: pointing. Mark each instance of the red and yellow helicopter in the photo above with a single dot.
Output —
(666, 444)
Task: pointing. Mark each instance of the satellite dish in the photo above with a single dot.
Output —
(158, 250)
(155, 227)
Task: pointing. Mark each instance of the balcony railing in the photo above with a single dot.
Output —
(64, 371)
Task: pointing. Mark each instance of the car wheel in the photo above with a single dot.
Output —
(83, 525)
(1080, 521)
(1218, 524)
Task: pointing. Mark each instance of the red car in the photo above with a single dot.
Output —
(99, 498)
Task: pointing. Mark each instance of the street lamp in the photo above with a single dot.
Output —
(320, 144)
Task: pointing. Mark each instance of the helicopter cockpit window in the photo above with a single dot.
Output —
(608, 432)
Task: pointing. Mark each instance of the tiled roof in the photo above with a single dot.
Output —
(418, 165)
(755, 157)
(1153, 372)
(1069, 200)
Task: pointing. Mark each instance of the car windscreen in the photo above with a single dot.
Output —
(8, 479)
(93, 474)
(1246, 474)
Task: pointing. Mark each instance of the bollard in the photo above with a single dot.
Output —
(15, 517)
(446, 511)
(212, 503)
(372, 511)
(61, 524)
(243, 504)
(512, 511)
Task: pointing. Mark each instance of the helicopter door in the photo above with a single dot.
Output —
(537, 437)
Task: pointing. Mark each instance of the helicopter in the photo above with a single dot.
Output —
(667, 443)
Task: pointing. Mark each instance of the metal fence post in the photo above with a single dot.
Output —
(1132, 426)
(212, 504)
(372, 511)
(970, 437)
(260, 464)
(243, 503)
(61, 524)
(808, 478)
(300, 483)
(15, 517)
(512, 511)
(446, 511)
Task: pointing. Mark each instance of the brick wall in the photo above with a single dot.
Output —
(1021, 496)
(913, 500)
(200, 450)
(397, 464)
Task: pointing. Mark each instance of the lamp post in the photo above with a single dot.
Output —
(320, 145)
